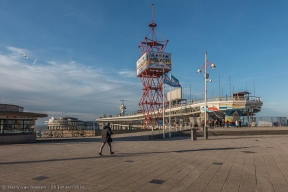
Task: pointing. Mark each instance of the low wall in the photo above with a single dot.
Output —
(78, 133)
(65, 133)
(18, 138)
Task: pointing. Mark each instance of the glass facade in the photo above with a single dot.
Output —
(8, 126)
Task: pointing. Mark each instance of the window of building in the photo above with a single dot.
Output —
(16, 126)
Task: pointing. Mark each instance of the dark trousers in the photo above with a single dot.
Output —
(103, 144)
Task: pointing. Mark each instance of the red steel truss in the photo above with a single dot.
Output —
(151, 102)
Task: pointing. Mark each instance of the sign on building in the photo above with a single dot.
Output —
(153, 60)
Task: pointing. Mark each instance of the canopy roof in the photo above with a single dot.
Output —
(22, 114)
(241, 93)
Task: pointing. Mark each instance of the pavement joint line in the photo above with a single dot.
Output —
(146, 163)
(185, 167)
(231, 167)
(200, 165)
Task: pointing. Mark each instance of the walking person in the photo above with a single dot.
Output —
(237, 123)
(106, 138)
(240, 123)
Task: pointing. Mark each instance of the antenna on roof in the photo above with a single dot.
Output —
(152, 25)
(152, 13)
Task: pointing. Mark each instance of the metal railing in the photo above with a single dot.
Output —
(234, 98)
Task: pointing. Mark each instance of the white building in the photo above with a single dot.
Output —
(70, 123)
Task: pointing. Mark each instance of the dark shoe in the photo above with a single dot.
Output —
(100, 154)
(111, 153)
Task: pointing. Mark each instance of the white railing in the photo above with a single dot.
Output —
(235, 98)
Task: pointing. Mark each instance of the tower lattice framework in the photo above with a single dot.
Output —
(151, 102)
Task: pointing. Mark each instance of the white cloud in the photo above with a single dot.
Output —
(65, 87)
(127, 73)
(17, 52)
(70, 14)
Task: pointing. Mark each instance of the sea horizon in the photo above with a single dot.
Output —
(41, 127)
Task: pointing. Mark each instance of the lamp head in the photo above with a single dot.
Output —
(210, 80)
(199, 71)
(213, 66)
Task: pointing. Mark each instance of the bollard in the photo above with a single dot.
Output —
(193, 134)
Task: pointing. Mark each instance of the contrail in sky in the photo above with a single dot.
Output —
(35, 61)
(70, 14)
(258, 77)
(262, 76)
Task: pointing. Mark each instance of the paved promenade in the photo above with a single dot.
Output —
(222, 163)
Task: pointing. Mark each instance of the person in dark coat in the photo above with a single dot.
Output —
(106, 138)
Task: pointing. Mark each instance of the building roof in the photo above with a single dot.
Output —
(26, 114)
(242, 93)
(9, 107)
(15, 110)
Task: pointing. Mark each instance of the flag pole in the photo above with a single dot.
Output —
(163, 107)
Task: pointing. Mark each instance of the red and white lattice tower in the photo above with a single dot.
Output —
(151, 66)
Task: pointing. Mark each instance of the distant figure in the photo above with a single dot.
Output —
(220, 123)
(240, 123)
(228, 123)
(203, 124)
(237, 123)
(210, 123)
(196, 125)
(106, 138)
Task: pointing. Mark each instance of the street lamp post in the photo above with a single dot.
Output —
(206, 78)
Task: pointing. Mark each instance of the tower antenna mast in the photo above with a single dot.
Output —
(151, 66)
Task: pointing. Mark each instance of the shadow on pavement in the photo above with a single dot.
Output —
(128, 138)
(118, 155)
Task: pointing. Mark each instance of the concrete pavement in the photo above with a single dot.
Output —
(222, 163)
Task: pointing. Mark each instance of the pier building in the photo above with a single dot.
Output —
(70, 123)
(17, 126)
(191, 113)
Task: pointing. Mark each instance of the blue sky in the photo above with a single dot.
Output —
(82, 54)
